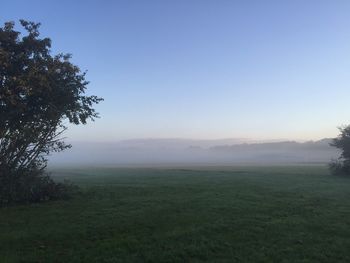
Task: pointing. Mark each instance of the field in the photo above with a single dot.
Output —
(217, 214)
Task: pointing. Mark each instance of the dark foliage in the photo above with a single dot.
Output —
(341, 166)
(38, 94)
(28, 186)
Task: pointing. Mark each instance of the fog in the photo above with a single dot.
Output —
(158, 152)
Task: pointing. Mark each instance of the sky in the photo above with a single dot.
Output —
(204, 69)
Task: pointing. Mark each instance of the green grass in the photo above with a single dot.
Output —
(241, 214)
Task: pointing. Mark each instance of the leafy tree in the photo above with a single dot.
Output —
(342, 142)
(39, 94)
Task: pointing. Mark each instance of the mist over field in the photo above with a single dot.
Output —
(191, 152)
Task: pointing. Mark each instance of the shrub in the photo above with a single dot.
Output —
(34, 185)
(341, 166)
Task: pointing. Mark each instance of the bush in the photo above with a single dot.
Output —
(29, 186)
(339, 167)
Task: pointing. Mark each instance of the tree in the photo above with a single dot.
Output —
(342, 142)
(39, 94)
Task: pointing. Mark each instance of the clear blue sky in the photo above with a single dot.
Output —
(204, 69)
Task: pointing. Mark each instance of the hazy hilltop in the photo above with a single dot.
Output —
(187, 151)
(284, 152)
(175, 143)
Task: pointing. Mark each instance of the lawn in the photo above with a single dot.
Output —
(216, 214)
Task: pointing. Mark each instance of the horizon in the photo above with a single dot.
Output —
(204, 71)
(168, 152)
(239, 140)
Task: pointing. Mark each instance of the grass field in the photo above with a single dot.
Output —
(240, 214)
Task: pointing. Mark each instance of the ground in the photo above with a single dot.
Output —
(215, 214)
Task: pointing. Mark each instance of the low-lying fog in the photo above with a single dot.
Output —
(201, 152)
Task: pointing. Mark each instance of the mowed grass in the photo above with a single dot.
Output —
(218, 214)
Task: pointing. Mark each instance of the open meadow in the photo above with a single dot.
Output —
(214, 214)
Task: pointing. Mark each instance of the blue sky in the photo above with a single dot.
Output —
(204, 69)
